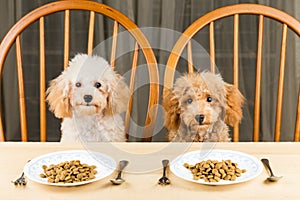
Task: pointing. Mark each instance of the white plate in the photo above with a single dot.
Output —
(105, 165)
(244, 161)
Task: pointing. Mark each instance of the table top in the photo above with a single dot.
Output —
(145, 169)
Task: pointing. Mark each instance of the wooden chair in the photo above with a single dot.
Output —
(235, 11)
(39, 14)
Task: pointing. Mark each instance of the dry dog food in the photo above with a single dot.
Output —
(214, 171)
(68, 172)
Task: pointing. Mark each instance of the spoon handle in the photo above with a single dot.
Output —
(122, 165)
(267, 164)
(165, 165)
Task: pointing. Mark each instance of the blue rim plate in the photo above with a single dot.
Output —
(245, 161)
(105, 165)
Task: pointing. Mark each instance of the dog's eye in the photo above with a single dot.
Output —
(209, 99)
(97, 85)
(77, 84)
(190, 100)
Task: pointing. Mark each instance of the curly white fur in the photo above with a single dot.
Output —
(90, 97)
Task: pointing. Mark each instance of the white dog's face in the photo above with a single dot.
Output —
(89, 95)
(88, 86)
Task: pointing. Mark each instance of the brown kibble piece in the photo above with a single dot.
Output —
(42, 175)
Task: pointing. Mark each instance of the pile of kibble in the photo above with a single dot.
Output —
(214, 171)
(68, 172)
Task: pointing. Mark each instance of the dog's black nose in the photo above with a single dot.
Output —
(88, 98)
(199, 118)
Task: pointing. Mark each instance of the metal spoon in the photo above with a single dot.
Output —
(272, 177)
(164, 180)
(118, 180)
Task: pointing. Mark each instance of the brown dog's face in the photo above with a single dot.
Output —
(198, 100)
(199, 108)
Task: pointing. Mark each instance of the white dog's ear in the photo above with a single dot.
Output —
(171, 110)
(118, 96)
(58, 97)
(234, 103)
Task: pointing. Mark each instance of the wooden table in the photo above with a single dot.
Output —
(284, 158)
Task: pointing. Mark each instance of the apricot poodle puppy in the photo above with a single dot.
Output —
(199, 106)
(90, 97)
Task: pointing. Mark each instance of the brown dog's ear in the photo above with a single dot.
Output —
(234, 103)
(171, 110)
(58, 97)
(118, 96)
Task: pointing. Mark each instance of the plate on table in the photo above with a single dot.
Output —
(245, 161)
(105, 165)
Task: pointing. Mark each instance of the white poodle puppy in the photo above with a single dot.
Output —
(90, 97)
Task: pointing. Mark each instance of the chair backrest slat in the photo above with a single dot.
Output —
(280, 84)
(212, 47)
(2, 139)
(131, 85)
(235, 137)
(67, 39)
(114, 44)
(91, 33)
(236, 51)
(190, 57)
(256, 118)
(297, 126)
(21, 91)
(42, 82)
